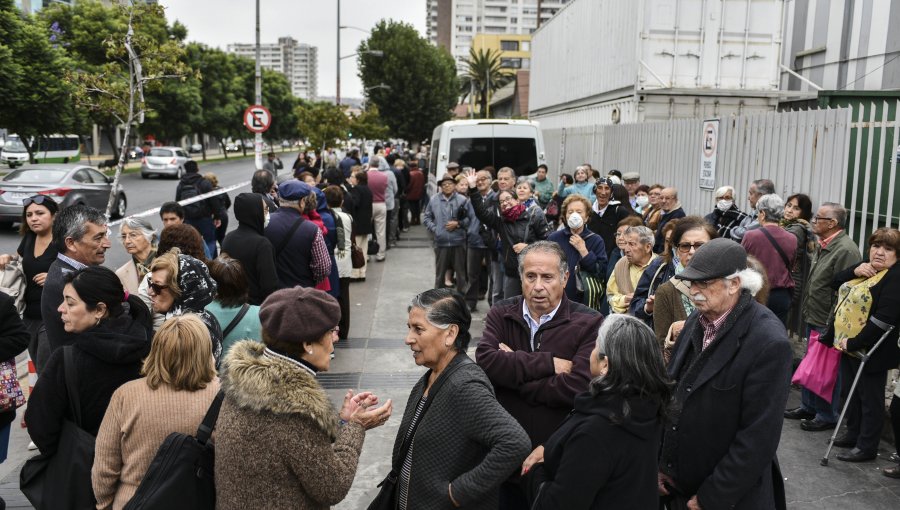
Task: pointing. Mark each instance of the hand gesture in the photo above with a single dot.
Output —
(471, 177)
(352, 402)
(40, 278)
(561, 366)
(4, 259)
(627, 298)
(451, 225)
(578, 243)
(504, 348)
(648, 305)
(370, 418)
(533, 458)
(518, 247)
(865, 270)
(694, 504)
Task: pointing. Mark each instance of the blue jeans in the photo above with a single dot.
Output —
(812, 403)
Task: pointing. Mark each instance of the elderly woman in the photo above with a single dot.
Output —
(178, 375)
(582, 186)
(605, 454)
(776, 248)
(277, 423)
(139, 239)
(585, 251)
(181, 284)
(237, 317)
(868, 303)
(112, 332)
(525, 192)
(456, 444)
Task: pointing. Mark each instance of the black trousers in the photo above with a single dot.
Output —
(404, 210)
(415, 212)
(478, 262)
(452, 257)
(895, 421)
(344, 302)
(865, 410)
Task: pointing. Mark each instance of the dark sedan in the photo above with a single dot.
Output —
(67, 184)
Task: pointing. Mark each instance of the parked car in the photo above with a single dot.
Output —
(232, 147)
(195, 148)
(164, 161)
(66, 184)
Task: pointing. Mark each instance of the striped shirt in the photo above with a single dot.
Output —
(406, 470)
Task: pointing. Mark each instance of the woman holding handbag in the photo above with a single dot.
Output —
(13, 340)
(456, 441)
(585, 252)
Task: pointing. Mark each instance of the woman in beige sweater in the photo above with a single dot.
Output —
(178, 386)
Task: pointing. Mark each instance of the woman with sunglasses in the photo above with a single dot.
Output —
(36, 252)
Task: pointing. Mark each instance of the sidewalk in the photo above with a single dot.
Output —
(375, 358)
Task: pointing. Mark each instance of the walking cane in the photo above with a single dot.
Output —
(887, 331)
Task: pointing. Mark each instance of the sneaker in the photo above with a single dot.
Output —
(332, 354)
(380, 259)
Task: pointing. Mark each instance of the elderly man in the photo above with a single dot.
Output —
(632, 181)
(776, 250)
(605, 218)
(671, 210)
(447, 218)
(731, 368)
(835, 252)
(726, 216)
(757, 189)
(638, 255)
(479, 240)
(536, 347)
(82, 238)
(301, 256)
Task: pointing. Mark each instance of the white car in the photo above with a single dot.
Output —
(13, 153)
(164, 161)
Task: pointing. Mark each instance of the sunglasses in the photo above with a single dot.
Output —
(686, 247)
(37, 199)
(157, 288)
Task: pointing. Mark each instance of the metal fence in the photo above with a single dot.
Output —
(844, 155)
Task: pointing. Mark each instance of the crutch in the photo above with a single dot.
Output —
(887, 328)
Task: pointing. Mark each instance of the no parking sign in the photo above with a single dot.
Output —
(257, 118)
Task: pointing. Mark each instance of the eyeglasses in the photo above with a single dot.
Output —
(702, 284)
(507, 200)
(686, 247)
(157, 288)
(37, 199)
(131, 236)
(817, 218)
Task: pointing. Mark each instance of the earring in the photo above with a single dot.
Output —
(308, 352)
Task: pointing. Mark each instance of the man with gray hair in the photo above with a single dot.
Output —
(758, 188)
(536, 350)
(82, 238)
(627, 272)
(301, 256)
(776, 250)
(731, 367)
(835, 252)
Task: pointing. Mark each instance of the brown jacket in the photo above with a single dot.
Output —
(278, 443)
(136, 423)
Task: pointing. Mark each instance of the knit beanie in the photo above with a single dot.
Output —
(290, 317)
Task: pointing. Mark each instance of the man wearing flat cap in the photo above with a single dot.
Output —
(632, 181)
(452, 169)
(447, 218)
(301, 257)
(731, 368)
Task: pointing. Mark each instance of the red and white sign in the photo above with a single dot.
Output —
(257, 118)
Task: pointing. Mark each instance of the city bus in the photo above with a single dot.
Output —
(45, 149)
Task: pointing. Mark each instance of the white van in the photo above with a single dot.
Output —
(517, 144)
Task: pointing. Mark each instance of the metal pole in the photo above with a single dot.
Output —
(258, 143)
(337, 56)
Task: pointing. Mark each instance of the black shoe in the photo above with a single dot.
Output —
(891, 472)
(798, 413)
(473, 307)
(857, 455)
(815, 425)
(844, 441)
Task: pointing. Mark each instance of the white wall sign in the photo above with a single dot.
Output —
(708, 150)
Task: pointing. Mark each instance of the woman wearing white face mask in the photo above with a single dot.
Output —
(726, 215)
(585, 250)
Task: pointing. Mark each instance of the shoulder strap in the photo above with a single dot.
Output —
(784, 257)
(407, 441)
(287, 238)
(655, 276)
(237, 319)
(209, 421)
(72, 383)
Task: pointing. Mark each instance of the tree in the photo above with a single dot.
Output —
(368, 124)
(219, 103)
(276, 96)
(322, 123)
(35, 98)
(422, 87)
(483, 77)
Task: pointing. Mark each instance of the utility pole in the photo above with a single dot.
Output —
(337, 55)
(258, 142)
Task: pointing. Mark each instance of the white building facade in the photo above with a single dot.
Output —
(297, 61)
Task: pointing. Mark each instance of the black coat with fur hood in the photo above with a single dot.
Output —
(278, 424)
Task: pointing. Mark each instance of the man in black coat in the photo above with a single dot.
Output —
(206, 215)
(605, 217)
(252, 248)
(732, 368)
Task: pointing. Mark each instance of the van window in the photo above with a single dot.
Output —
(435, 153)
(520, 154)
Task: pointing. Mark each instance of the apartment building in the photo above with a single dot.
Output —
(297, 61)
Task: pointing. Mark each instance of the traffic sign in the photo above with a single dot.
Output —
(709, 150)
(257, 118)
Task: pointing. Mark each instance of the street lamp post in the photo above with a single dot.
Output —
(257, 145)
(337, 55)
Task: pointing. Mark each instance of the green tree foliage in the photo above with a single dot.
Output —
(369, 125)
(276, 96)
(422, 80)
(483, 77)
(218, 101)
(322, 123)
(35, 98)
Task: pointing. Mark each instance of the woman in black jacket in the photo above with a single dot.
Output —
(249, 245)
(13, 340)
(517, 226)
(362, 216)
(868, 302)
(112, 336)
(605, 454)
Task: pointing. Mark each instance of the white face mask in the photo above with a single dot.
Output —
(642, 200)
(266, 220)
(724, 205)
(575, 220)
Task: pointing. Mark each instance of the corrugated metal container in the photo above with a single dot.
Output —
(597, 51)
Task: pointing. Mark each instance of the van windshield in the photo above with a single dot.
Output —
(14, 145)
(520, 154)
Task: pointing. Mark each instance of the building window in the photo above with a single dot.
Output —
(509, 45)
(526, 45)
(511, 63)
(526, 63)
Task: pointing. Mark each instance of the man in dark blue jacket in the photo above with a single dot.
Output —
(447, 218)
(301, 257)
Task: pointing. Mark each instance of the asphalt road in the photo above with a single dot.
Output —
(144, 194)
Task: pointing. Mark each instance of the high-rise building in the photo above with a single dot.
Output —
(33, 6)
(298, 62)
(453, 24)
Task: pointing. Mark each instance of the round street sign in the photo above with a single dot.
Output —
(257, 118)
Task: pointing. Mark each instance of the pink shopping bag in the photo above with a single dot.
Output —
(818, 370)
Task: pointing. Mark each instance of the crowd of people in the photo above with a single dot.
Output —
(625, 348)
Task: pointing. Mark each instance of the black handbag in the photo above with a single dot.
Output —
(374, 247)
(62, 480)
(181, 474)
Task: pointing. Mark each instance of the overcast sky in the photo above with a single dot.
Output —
(218, 23)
